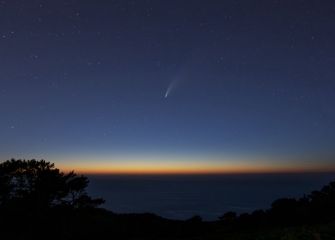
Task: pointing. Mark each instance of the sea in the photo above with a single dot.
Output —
(208, 196)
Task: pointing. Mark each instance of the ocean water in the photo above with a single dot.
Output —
(209, 196)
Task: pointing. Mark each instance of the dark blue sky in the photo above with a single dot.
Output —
(88, 78)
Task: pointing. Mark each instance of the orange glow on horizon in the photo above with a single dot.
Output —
(160, 169)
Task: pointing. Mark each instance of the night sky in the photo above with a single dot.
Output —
(153, 85)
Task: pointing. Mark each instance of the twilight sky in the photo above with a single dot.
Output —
(153, 85)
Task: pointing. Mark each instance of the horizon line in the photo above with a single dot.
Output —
(200, 173)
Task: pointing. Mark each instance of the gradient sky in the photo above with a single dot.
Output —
(250, 84)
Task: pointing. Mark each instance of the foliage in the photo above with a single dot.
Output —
(38, 186)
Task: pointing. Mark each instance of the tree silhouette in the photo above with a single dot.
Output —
(38, 185)
(229, 217)
(323, 202)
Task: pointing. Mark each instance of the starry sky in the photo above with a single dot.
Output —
(159, 86)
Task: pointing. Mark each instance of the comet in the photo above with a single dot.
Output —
(171, 87)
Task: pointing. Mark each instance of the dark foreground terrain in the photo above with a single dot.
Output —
(101, 224)
(37, 201)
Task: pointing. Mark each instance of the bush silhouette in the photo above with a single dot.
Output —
(229, 217)
(38, 185)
